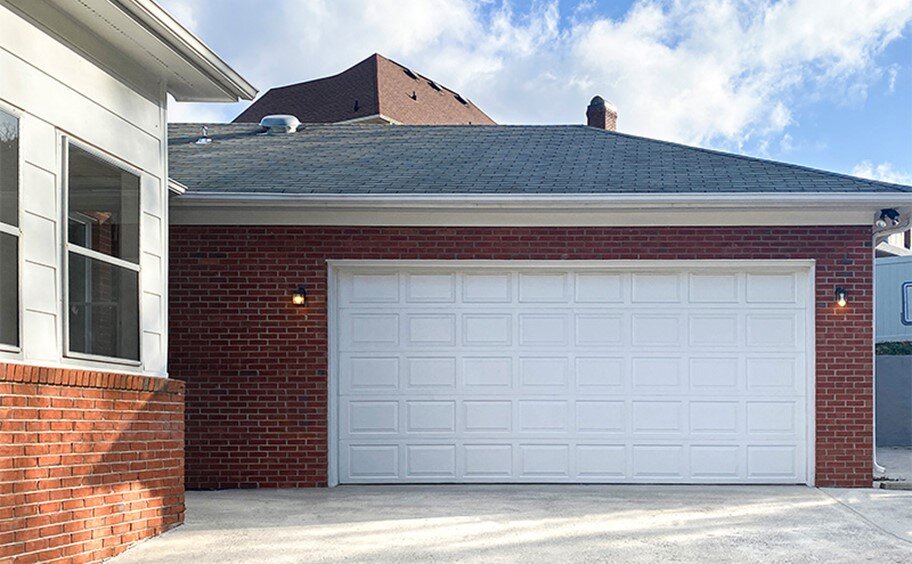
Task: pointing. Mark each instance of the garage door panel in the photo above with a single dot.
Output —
(656, 288)
(544, 461)
(431, 374)
(599, 288)
(605, 417)
(487, 330)
(563, 375)
(657, 374)
(369, 374)
(430, 288)
(718, 462)
(596, 374)
(487, 288)
(716, 375)
(487, 374)
(716, 418)
(546, 287)
(713, 288)
(544, 373)
(657, 330)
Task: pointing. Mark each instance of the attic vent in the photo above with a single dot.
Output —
(280, 124)
(410, 73)
(434, 85)
(461, 99)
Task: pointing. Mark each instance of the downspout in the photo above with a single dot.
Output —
(878, 236)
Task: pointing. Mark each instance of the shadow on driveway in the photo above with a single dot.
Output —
(537, 523)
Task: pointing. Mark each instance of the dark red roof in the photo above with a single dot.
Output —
(375, 86)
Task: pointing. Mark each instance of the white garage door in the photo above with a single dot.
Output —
(461, 372)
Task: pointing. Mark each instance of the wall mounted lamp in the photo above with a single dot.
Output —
(299, 296)
(841, 299)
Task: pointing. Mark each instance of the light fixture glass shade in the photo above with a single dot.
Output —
(841, 299)
(299, 296)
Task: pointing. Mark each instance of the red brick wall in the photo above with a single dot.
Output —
(90, 462)
(255, 365)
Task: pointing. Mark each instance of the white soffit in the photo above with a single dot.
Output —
(146, 35)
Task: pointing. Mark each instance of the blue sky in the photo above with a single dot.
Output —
(824, 83)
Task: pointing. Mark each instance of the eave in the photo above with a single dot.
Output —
(628, 209)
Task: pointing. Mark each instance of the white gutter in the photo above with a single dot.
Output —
(162, 25)
(833, 200)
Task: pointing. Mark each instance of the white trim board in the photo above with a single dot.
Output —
(808, 209)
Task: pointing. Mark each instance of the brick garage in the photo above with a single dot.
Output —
(90, 462)
(255, 366)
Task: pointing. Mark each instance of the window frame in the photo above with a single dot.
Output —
(16, 232)
(65, 142)
(906, 303)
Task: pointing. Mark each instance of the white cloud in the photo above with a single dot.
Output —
(892, 74)
(883, 171)
(716, 72)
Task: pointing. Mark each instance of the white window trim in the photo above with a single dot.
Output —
(66, 141)
(16, 231)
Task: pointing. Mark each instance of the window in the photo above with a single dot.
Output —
(9, 231)
(102, 257)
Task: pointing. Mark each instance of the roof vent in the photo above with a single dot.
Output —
(434, 85)
(461, 99)
(409, 72)
(280, 124)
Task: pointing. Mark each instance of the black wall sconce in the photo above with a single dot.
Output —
(299, 296)
(841, 297)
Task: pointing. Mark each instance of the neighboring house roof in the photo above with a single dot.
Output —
(143, 44)
(498, 160)
(375, 90)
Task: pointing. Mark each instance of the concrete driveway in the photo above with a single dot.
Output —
(538, 523)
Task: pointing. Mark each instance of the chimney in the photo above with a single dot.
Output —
(601, 114)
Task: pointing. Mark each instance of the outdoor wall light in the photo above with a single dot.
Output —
(299, 296)
(841, 300)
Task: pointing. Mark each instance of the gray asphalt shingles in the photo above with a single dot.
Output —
(406, 159)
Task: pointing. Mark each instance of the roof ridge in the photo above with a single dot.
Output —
(902, 187)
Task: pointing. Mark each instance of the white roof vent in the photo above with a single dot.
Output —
(280, 124)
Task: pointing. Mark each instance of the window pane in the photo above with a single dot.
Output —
(103, 206)
(103, 308)
(9, 169)
(9, 290)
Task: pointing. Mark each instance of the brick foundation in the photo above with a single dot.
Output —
(255, 365)
(90, 462)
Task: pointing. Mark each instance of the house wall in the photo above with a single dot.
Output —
(90, 452)
(56, 92)
(890, 273)
(90, 462)
(894, 400)
(256, 366)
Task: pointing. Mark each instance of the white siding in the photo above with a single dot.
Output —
(56, 92)
(890, 274)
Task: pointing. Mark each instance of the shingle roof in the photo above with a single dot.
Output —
(374, 86)
(564, 159)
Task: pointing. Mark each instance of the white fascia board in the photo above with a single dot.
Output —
(176, 187)
(620, 200)
(535, 209)
(168, 30)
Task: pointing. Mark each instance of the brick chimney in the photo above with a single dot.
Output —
(601, 114)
